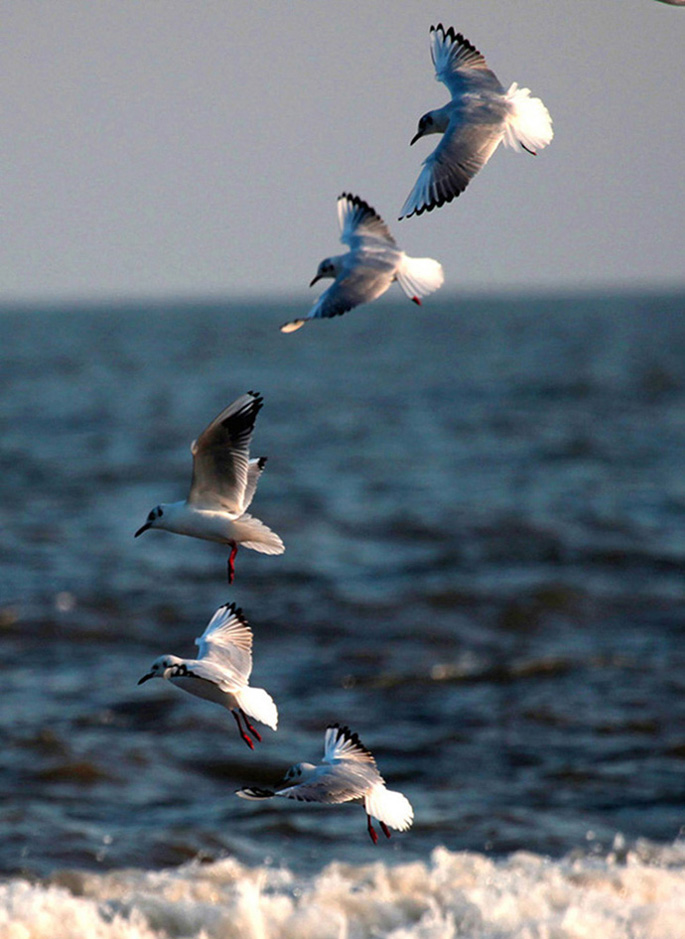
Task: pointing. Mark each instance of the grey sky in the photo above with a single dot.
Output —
(165, 147)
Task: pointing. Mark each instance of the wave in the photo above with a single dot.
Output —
(636, 893)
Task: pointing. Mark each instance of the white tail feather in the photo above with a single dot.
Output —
(419, 276)
(529, 122)
(251, 533)
(390, 807)
(259, 704)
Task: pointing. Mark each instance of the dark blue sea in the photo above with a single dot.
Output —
(483, 506)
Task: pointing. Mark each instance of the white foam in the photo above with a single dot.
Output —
(454, 894)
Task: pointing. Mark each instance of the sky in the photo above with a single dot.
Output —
(166, 148)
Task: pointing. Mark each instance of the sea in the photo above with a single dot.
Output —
(483, 507)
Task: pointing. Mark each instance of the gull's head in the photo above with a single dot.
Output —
(298, 772)
(327, 268)
(154, 520)
(433, 122)
(163, 667)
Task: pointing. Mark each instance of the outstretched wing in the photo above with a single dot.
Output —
(459, 65)
(227, 642)
(255, 468)
(466, 147)
(221, 456)
(360, 223)
(341, 744)
(360, 284)
(327, 784)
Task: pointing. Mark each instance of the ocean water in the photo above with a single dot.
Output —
(483, 505)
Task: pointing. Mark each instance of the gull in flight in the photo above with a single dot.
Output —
(221, 671)
(370, 266)
(223, 484)
(347, 773)
(480, 115)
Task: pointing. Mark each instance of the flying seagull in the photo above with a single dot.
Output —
(368, 269)
(480, 115)
(347, 773)
(223, 484)
(221, 671)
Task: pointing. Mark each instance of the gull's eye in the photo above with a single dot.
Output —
(160, 512)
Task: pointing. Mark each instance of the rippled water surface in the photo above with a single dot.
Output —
(483, 503)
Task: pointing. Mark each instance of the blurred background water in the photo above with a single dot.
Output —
(483, 505)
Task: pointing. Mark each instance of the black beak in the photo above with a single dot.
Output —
(417, 136)
(142, 529)
(318, 277)
(146, 678)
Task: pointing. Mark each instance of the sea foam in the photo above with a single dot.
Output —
(453, 894)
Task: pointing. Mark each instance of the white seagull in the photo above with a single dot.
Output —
(223, 484)
(347, 773)
(221, 671)
(370, 266)
(480, 115)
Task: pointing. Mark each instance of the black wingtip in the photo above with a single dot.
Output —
(453, 36)
(345, 732)
(232, 608)
(359, 203)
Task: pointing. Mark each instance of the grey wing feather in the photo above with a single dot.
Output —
(464, 149)
(361, 285)
(459, 65)
(329, 787)
(340, 743)
(227, 642)
(255, 468)
(221, 456)
(360, 223)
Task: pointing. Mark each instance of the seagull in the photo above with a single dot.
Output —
(480, 115)
(223, 484)
(366, 271)
(221, 671)
(347, 773)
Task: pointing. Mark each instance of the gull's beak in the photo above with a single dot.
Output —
(142, 529)
(318, 277)
(146, 678)
(417, 136)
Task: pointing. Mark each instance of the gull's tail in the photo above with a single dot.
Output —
(251, 533)
(390, 807)
(419, 276)
(259, 704)
(528, 123)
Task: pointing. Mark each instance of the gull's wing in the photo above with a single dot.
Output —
(459, 65)
(360, 224)
(341, 744)
(255, 468)
(221, 455)
(227, 642)
(328, 784)
(347, 772)
(360, 284)
(466, 147)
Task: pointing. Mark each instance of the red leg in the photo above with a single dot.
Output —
(231, 561)
(416, 301)
(385, 829)
(255, 733)
(371, 830)
(242, 732)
